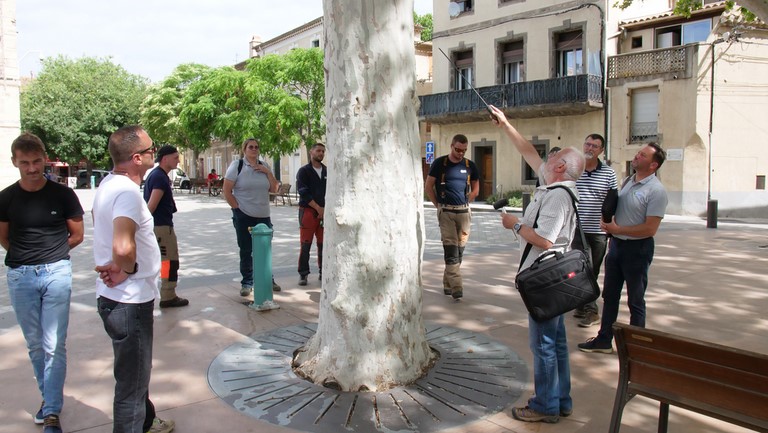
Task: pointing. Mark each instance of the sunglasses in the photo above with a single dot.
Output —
(150, 149)
(457, 150)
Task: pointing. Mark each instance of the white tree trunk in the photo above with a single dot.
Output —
(370, 333)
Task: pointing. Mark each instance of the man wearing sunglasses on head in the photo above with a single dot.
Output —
(452, 183)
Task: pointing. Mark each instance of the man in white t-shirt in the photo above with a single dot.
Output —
(128, 262)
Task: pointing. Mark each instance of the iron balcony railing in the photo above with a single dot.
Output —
(653, 62)
(564, 90)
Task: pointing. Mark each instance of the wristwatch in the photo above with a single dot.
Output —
(517, 227)
(135, 269)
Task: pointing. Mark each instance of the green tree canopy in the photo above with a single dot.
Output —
(279, 99)
(161, 109)
(74, 106)
(425, 21)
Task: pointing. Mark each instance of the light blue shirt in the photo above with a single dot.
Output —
(251, 188)
(639, 200)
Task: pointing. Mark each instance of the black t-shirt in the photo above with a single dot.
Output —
(37, 223)
(158, 179)
(453, 189)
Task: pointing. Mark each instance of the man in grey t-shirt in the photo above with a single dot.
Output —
(641, 207)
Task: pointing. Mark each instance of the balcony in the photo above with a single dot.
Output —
(542, 98)
(666, 63)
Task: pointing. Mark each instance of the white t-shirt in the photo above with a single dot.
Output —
(119, 196)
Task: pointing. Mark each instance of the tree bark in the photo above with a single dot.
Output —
(370, 333)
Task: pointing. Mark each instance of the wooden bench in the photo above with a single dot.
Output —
(718, 381)
(282, 193)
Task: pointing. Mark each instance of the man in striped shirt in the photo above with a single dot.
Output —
(593, 185)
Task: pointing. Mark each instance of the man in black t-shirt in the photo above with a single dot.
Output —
(159, 197)
(40, 221)
(452, 183)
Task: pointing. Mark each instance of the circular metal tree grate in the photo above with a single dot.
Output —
(474, 377)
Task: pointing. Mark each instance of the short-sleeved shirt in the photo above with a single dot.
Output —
(118, 196)
(593, 186)
(251, 188)
(556, 219)
(37, 223)
(454, 187)
(158, 179)
(639, 200)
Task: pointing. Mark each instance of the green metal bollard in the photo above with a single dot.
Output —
(261, 236)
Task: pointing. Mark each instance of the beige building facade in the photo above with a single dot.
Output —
(10, 117)
(699, 87)
(541, 62)
(561, 70)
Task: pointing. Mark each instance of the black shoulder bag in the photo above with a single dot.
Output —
(557, 282)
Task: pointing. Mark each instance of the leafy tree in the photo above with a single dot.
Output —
(425, 21)
(279, 99)
(294, 103)
(161, 109)
(74, 105)
(757, 8)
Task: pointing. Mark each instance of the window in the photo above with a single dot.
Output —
(464, 60)
(688, 33)
(529, 175)
(760, 182)
(316, 43)
(644, 124)
(570, 55)
(637, 42)
(513, 67)
(458, 7)
(218, 165)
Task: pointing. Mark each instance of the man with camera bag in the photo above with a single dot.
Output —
(547, 225)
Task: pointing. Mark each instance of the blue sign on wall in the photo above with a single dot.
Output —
(430, 152)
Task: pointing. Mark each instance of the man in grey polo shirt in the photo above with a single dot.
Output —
(641, 207)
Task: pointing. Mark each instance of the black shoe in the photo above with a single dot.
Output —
(303, 280)
(51, 424)
(175, 302)
(446, 291)
(457, 294)
(593, 345)
(275, 286)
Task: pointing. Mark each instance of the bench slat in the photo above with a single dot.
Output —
(696, 392)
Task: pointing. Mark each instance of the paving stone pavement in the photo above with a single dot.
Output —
(706, 284)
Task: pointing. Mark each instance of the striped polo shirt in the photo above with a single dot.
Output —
(593, 187)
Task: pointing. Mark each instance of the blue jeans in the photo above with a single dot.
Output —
(241, 221)
(627, 261)
(130, 326)
(596, 245)
(40, 297)
(551, 369)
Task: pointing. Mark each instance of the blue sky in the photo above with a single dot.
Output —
(151, 37)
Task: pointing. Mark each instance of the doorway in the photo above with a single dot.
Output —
(484, 160)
